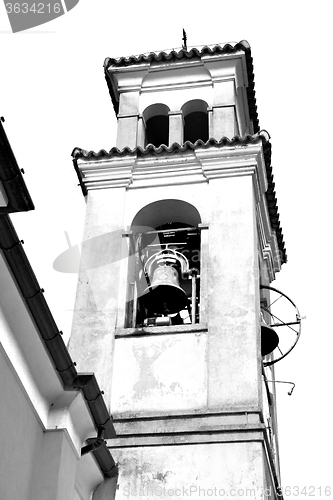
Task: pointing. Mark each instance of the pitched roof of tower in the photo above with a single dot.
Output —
(190, 53)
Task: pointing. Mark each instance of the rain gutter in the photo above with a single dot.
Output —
(11, 178)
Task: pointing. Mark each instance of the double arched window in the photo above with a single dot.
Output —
(157, 124)
(195, 120)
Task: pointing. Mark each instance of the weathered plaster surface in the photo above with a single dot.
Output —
(155, 472)
(159, 373)
(97, 293)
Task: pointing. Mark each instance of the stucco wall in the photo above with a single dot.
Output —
(160, 374)
(21, 436)
(196, 471)
(229, 289)
(42, 426)
(227, 372)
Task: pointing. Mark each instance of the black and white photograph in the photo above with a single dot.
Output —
(165, 276)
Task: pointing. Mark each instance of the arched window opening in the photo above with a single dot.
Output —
(195, 121)
(165, 279)
(157, 124)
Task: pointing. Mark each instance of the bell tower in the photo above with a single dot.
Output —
(181, 233)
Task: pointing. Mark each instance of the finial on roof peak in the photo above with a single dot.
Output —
(184, 45)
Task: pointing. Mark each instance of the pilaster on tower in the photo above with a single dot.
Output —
(181, 230)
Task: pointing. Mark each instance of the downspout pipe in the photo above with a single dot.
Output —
(93, 443)
(97, 446)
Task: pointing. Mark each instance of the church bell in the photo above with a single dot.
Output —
(269, 338)
(164, 295)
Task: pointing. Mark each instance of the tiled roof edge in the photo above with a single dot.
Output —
(174, 54)
(174, 148)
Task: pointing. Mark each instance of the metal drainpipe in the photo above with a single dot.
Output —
(96, 443)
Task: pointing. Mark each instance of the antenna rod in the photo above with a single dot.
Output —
(184, 46)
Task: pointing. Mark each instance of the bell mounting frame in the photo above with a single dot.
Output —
(288, 308)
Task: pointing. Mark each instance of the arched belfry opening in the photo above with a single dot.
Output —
(195, 115)
(164, 276)
(156, 118)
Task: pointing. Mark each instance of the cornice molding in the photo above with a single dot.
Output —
(129, 115)
(176, 86)
(235, 161)
(104, 174)
(191, 166)
(224, 435)
(176, 166)
(127, 170)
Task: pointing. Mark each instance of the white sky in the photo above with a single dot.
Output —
(54, 97)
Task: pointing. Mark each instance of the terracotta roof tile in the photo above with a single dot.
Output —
(173, 54)
(174, 148)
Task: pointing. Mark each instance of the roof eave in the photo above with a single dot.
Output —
(19, 199)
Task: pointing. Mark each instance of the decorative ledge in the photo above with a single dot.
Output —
(159, 330)
(120, 168)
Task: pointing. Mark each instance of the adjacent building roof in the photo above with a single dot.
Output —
(32, 294)
(193, 52)
(262, 136)
(12, 179)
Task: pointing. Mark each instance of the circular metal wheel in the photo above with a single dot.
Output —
(282, 315)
